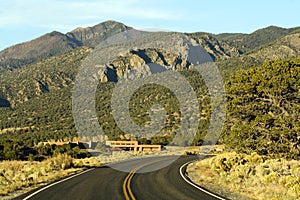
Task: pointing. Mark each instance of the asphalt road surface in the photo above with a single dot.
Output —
(131, 179)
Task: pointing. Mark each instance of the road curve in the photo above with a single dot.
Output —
(139, 182)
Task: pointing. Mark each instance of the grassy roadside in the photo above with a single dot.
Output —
(244, 176)
(20, 176)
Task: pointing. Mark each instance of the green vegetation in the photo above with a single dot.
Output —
(253, 176)
(263, 102)
(34, 121)
(263, 110)
(248, 42)
(40, 97)
(18, 150)
(144, 98)
(42, 77)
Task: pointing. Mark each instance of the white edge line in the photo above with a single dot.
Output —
(48, 186)
(60, 181)
(196, 186)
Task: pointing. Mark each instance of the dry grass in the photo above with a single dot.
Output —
(17, 175)
(252, 176)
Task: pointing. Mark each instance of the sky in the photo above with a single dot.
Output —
(23, 20)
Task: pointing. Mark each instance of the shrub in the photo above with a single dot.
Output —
(61, 161)
(254, 175)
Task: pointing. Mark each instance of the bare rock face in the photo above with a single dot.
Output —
(138, 61)
(218, 49)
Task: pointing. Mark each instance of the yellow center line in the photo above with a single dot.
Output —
(124, 187)
(128, 185)
(128, 194)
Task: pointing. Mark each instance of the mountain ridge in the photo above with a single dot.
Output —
(36, 99)
(55, 43)
(49, 74)
(220, 46)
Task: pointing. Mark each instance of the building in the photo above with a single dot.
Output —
(132, 145)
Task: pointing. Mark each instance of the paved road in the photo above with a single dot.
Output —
(108, 182)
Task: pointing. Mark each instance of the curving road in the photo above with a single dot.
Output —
(139, 182)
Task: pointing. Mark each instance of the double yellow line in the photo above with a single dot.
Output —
(128, 194)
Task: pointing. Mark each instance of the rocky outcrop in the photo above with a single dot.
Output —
(149, 61)
(218, 49)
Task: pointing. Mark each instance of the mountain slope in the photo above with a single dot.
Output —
(41, 77)
(59, 71)
(218, 49)
(45, 46)
(36, 100)
(285, 47)
(248, 42)
(220, 46)
(56, 43)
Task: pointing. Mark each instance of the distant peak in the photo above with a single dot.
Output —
(273, 26)
(55, 33)
(270, 28)
(105, 23)
(111, 22)
(78, 29)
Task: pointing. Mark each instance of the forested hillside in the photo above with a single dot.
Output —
(261, 71)
(263, 111)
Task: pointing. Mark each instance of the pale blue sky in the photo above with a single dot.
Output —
(22, 20)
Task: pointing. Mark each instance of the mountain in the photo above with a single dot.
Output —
(92, 36)
(57, 72)
(220, 46)
(56, 43)
(218, 49)
(40, 95)
(248, 42)
(226, 46)
(285, 46)
(36, 99)
(50, 44)
(56, 57)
